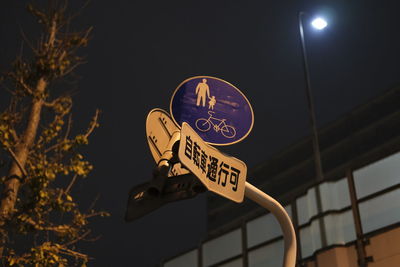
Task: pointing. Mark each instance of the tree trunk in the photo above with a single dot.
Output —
(11, 186)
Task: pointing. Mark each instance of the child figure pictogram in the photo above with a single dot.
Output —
(212, 102)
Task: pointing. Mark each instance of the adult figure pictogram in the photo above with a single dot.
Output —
(202, 92)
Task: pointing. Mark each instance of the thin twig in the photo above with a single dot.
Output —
(94, 202)
(88, 31)
(27, 40)
(67, 133)
(93, 124)
(25, 86)
(52, 147)
(94, 214)
(77, 239)
(73, 253)
(51, 104)
(15, 136)
(60, 194)
(21, 51)
(70, 18)
(93, 239)
(72, 68)
(68, 127)
(17, 161)
(21, 81)
(71, 184)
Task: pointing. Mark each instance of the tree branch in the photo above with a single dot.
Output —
(68, 127)
(24, 172)
(72, 68)
(27, 40)
(77, 239)
(93, 124)
(71, 252)
(99, 213)
(21, 82)
(91, 207)
(51, 104)
(71, 184)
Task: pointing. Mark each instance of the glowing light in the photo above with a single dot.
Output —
(319, 23)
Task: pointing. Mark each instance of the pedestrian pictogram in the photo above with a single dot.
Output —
(202, 92)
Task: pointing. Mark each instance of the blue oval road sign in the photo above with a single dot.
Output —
(218, 111)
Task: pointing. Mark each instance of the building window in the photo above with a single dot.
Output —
(233, 263)
(340, 228)
(222, 248)
(310, 239)
(188, 259)
(381, 211)
(377, 176)
(263, 229)
(268, 255)
(306, 206)
(335, 195)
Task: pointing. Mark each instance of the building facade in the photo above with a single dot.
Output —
(351, 218)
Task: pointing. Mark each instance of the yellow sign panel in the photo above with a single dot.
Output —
(220, 173)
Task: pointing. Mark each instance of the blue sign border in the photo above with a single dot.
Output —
(231, 85)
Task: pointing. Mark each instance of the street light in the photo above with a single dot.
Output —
(318, 24)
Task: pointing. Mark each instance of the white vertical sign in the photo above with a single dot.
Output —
(220, 173)
(159, 130)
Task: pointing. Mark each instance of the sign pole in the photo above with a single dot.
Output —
(289, 236)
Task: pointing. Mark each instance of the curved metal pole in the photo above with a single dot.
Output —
(283, 218)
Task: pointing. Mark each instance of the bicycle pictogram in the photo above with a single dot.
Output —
(204, 125)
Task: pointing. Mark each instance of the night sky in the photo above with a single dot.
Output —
(142, 50)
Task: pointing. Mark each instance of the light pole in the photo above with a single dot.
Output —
(318, 24)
